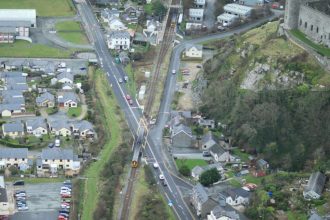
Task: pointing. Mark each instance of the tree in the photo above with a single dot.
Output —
(184, 170)
(13, 170)
(159, 8)
(209, 177)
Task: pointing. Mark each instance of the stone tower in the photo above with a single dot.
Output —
(291, 15)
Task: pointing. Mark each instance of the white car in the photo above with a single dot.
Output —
(173, 71)
(65, 188)
(120, 80)
(65, 192)
(156, 165)
(23, 208)
(21, 194)
(161, 177)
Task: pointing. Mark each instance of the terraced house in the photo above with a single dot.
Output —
(14, 157)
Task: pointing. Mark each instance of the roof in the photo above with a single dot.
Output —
(320, 5)
(36, 123)
(196, 12)
(10, 74)
(13, 127)
(262, 162)
(197, 46)
(201, 2)
(3, 195)
(119, 34)
(67, 96)
(316, 182)
(14, 153)
(44, 97)
(181, 128)
(58, 124)
(198, 170)
(57, 154)
(239, 9)
(7, 29)
(83, 125)
(10, 107)
(221, 211)
(65, 75)
(15, 24)
(315, 216)
(183, 114)
(237, 192)
(17, 14)
(209, 137)
(217, 149)
(227, 17)
(200, 193)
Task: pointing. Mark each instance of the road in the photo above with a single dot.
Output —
(133, 115)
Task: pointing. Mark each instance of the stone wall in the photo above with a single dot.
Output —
(315, 24)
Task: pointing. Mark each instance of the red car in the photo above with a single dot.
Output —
(65, 195)
(61, 217)
(128, 97)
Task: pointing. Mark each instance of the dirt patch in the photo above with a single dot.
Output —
(185, 83)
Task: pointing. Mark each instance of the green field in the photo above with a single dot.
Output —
(319, 48)
(191, 163)
(45, 8)
(112, 124)
(74, 112)
(25, 49)
(71, 31)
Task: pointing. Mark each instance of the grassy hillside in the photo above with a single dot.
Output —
(273, 96)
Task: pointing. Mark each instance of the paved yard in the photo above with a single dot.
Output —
(43, 201)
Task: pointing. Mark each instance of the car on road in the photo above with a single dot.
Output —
(164, 183)
(65, 188)
(22, 208)
(20, 194)
(161, 177)
(128, 97)
(120, 80)
(199, 66)
(19, 183)
(126, 78)
(60, 217)
(130, 102)
(206, 154)
(20, 198)
(173, 71)
(156, 165)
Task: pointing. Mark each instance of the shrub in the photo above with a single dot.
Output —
(209, 177)
(184, 170)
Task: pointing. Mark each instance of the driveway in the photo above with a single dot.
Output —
(43, 201)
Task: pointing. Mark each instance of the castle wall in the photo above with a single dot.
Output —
(315, 24)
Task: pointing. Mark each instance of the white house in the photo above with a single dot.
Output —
(115, 24)
(199, 3)
(119, 40)
(37, 127)
(241, 11)
(13, 130)
(14, 157)
(46, 100)
(83, 129)
(219, 154)
(68, 99)
(7, 110)
(221, 212)
(65, 77)
(194, 51)
(196, 14)
(227, 20)
(237, 196)
(315, 186)
(59, 128)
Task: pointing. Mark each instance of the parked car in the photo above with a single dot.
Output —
(164, 183)
(173, 71)
(155, 165)
(19, 183)
(161, 177)
(130, 102)
(120, 80)
(126, 78)
(20, 194)
(51, 145)
(206, 154)
(23, 208)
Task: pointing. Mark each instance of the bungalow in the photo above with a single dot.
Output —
(241, 11)
(13, 130)
(262, 164)
(107, 14)
(236, 196)
(7, 110)
(13, 97)
(14, 157)
(53, 160)
(315, 186)
(123, 57)
(151, 32)
(83, 129)
(201, 202)
(197, 171)
(194, 51)
(46, 100)
(37, 127)
(180, 117)
(220, 154)
(59, 127)
(196, 14)
(68, 99)
(181, 136)
(65, 77)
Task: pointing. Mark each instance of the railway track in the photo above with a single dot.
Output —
(128, 195)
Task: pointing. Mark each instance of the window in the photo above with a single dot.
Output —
(46, 160)
(317, 30)
(53, 160)
(300, 22)
(23, 159)
(312, 27)
(61, 160)
(67, 165)
(305, 24)
(15, 159)
(68, 160)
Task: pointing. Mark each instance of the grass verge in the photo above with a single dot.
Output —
(25, 49)
(71, 31)
(190, 163)
(111, 122)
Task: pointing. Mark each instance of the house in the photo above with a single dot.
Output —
(4, 204)
(13, 130)
(315, 186)
(7, 110)
(221, 212)
(180, 117)
(201, 202)
(196, 14)
(181, 136)
(37, 127)
(14, 157)
(151, 32)
(206, 123)
(199, 3)
(115, 24)
(194, 51)
(46, 99)
(67, 86)
(237, 196)
(53, 160)
(59, 127)
(262, 164)
(123, 57)
(107, 14)
(131, 11)
(68, 99)
(252, 3)
(83, 129)
(219, 154)
(190, 26)
(227, 20)
(208, 141)
(65, 77)
(241, 11)
(13, 97)
(119, 40)
(197, 171)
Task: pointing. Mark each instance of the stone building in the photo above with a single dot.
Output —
(311, 17)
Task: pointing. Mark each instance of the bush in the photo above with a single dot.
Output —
(184, 170)
(209, 177)
(13, 170)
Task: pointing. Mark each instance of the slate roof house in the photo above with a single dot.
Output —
(201, 202)
(194, 51)
(83, 129)
(237, 196)
(65, 77)
(223, 213)
(7, 110)
(197, 171)
(68, 99)
(13, 130)
(181, 136)
(208, 141)
(119, 40)
(315, 186)
(46, 100)
(220, 154)
(14, 157)
(59, 127)
(37, 127)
